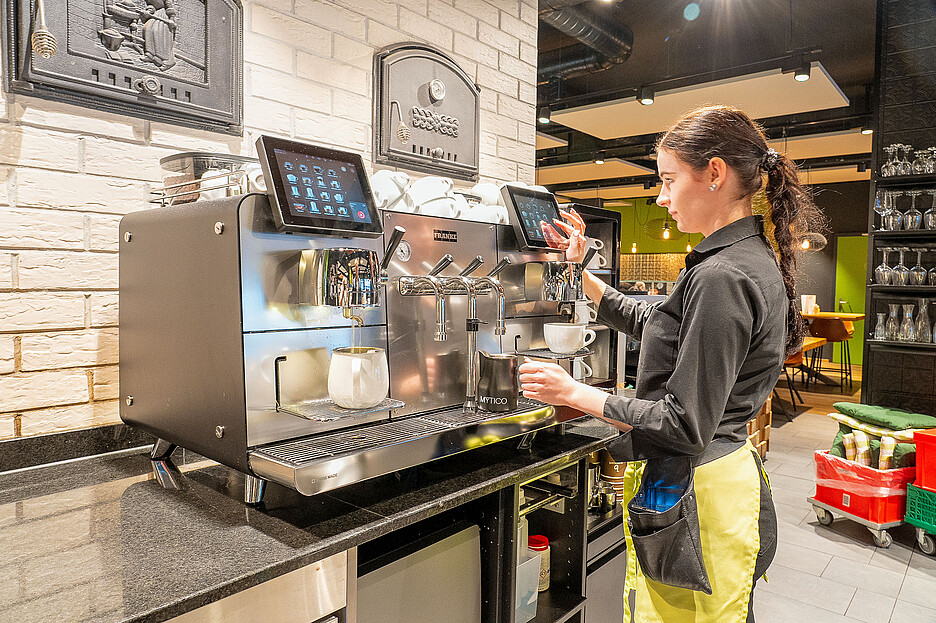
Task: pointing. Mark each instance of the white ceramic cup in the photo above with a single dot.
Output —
(584, 313)
(488, 192)
(483, 213)
(358, 377)
(566, 338)
(430, 187)
(213, 184)
(595, 242)
(438, 206)
(388, 186)
(598, 261)
(581, 370)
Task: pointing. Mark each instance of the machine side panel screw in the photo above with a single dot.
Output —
(129, 401)
(127, 237)
(219, 228)
(219, 432)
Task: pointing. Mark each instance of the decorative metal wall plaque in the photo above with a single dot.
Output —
(426, 112)
(176, 61)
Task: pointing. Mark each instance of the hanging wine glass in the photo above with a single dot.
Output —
(892, 218)
(880, 330)
(903, 163)
(930, 165)
(913, 218)
(890, 328)
(880, 208)
(905, 332)
(929, 217)
(901, 274)
(921, 328)
(889, 168)
(883, 272)
(918, 273)
(919, 162)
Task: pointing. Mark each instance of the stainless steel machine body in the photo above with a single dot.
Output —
(223, 351)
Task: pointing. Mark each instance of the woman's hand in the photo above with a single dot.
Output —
(547, 382)
(575, 245)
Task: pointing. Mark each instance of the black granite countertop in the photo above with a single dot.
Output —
(99, 540)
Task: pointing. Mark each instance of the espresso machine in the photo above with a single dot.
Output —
(232, 311)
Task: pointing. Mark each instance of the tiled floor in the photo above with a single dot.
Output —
(833, 574)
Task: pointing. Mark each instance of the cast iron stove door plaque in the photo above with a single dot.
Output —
(176, 61)
(426, 112)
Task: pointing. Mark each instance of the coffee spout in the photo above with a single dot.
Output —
(348, 313)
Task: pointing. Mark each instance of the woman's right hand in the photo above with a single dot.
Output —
(573, 226)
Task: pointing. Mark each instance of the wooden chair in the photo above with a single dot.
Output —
(834, 331)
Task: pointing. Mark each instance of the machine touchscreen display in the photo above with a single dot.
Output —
(317, 189)
(528, 209)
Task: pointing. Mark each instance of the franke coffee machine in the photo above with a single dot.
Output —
(231, 311)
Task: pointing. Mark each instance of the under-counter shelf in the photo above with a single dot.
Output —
(914, 345)
(557, 605)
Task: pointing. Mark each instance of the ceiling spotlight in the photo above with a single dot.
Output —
(544, 114)
(599, 158)
(867, 130)
(645, 95)
(802, 72)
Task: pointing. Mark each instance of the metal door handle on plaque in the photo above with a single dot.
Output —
(324, 409)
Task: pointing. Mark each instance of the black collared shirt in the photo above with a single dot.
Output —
(710, 353)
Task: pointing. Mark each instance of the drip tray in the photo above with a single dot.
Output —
(323, 462)
(325, 409)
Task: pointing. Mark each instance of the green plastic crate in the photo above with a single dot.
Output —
(921, 508)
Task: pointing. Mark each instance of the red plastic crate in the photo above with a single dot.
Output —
(876, 495)
(925, 459)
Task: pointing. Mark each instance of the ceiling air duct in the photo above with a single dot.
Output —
(605, 41)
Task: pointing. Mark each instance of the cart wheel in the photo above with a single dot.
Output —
(825, 517)
(927, 543)
(884, 540)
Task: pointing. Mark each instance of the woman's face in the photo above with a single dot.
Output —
(686, 194)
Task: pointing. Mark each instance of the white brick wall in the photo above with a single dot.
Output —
(68, 174)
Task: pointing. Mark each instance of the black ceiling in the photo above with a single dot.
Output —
(727, 37)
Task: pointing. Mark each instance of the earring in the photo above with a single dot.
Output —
(713, 187)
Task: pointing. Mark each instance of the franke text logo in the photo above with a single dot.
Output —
(443, 235)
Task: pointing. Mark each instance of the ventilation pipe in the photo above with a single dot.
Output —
(605, 41)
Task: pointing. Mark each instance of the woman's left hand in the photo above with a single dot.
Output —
(546, 382)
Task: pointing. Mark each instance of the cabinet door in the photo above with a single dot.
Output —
(604, 589)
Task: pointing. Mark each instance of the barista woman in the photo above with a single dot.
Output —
(710, 354)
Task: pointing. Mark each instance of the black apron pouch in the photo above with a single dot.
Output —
(664, 524)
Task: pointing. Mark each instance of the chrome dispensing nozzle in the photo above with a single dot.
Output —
(500, 328)
(348, 312)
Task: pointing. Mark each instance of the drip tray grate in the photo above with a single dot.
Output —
(545, 353)
(354, 440)
(325, 409)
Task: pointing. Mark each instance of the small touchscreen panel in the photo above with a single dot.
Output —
(317, 188)
(530, 209)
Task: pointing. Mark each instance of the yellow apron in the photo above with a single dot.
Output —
(728, 500)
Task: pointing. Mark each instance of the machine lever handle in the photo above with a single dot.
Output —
(473, 266)
(501, 265)
(395, 238)
(441, 265)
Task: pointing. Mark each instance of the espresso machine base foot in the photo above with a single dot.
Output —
(253, 489)
(164, 470)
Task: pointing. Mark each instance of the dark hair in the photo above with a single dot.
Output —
(731, 135)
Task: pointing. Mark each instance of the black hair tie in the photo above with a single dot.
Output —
(770, 160)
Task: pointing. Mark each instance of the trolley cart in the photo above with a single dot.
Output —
(874, 498)
(921, 514)
(882, 537)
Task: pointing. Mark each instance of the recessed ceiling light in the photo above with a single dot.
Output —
(645, 96)
(802, 72)
(866, 130)
(543, 116)
(691, 11)
(599, 158)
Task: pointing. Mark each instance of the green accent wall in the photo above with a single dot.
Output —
(633, 220)
(851, 260)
